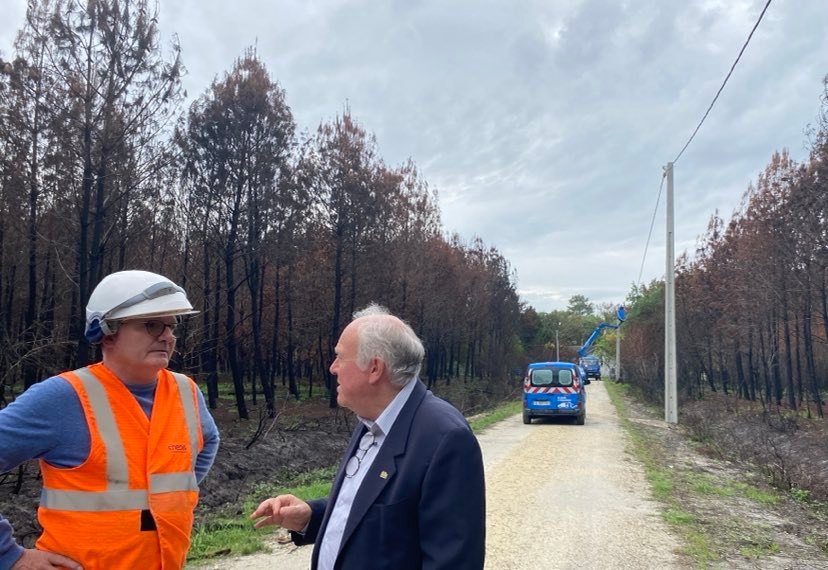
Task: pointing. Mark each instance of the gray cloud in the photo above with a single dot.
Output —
(544, 125)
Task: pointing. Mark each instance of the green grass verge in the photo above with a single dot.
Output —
(228, 536)
(759, 549)
(482, 421)
(665, 485)
(671, 485)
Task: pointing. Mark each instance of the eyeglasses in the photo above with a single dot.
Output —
(157, 328)
(354, 463)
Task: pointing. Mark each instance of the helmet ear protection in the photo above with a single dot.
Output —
(97, 329)
(94, 333)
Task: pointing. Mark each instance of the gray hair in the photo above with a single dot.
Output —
(382, 335)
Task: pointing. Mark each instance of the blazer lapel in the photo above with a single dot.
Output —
(384, 467)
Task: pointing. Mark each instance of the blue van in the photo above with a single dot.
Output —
(553, 389)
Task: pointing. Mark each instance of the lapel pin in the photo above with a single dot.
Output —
(384, 474)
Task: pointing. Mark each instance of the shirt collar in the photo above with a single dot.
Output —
(383, 423)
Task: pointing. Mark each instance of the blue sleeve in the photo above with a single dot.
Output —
(30, 429)
(10, 551)
(210, 434)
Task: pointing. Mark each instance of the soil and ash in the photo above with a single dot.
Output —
(718, 455)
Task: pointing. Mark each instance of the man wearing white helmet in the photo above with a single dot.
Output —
(122, 444)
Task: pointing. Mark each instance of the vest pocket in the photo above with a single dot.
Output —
(147, 521)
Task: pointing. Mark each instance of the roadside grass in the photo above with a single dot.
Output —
(759, 548)
(676, 488)
(222, 536)
(482, 421)
(666, 485)
(702, 484)
(227, 536)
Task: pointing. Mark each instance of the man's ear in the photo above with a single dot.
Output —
(376, 370)
(108, 340)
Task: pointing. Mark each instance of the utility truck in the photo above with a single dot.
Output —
(590, 363)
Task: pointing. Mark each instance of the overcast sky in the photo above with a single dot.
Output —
(544, 125)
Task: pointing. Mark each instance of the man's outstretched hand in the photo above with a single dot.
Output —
(286, 511)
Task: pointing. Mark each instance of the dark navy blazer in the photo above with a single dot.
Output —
(421, 504)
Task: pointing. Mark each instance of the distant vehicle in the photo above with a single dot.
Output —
(553, 389)
(592, 366)
(582, 374)
(591, 363)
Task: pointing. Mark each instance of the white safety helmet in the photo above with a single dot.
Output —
(127, 294)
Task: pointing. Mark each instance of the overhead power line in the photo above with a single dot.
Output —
(650, 234)
(675, 160)
(719, 92)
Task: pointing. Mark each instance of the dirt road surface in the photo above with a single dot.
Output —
(559, 496)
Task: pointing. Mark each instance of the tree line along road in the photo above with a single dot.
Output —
(558, 496)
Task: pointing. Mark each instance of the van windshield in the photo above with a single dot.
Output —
(551, 377)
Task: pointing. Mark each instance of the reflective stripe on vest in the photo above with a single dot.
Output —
(189, 413)
(89, 501)
(168, 482)
(117, 476)
(118, 496)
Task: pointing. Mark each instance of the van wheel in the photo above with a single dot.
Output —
(580, 420)
(527, 419)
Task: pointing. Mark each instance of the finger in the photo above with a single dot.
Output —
(262, 522)
(43, 559)
(263, 509)
(292, 511)
(265, 522)
(256, 514)
(60, 560)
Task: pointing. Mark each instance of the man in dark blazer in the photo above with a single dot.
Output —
(409, 492)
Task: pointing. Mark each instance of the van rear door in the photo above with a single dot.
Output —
(551, 390)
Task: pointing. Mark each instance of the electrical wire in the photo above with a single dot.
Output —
(719, 92)
(650, 234)
(675, 160)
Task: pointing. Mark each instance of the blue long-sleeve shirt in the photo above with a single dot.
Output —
(30, 428)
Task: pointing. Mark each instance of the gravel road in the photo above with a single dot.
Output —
(559, 496)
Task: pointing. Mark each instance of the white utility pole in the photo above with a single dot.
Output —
(557, 347)
(670, 400)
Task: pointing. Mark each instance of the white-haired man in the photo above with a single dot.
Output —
(409, 492)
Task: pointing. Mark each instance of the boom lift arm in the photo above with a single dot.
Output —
(587, 346)
(620, 313)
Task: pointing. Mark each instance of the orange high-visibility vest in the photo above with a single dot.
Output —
(130, 504)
